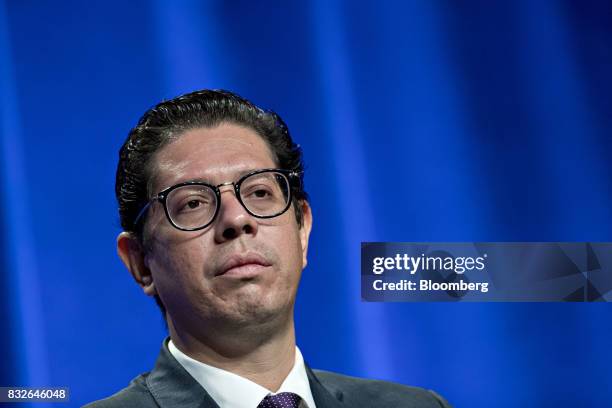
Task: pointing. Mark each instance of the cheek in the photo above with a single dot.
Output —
(180, 283)
(289, 250)
(177, 268)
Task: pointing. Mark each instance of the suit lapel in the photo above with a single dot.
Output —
(172, 386)
(324, 397)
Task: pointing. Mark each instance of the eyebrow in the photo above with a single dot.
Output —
(209, 181)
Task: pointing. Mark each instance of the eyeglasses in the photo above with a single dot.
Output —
(194, 205)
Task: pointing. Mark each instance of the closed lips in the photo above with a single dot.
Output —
(241, 260)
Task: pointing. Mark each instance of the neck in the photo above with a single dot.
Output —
(263, 356)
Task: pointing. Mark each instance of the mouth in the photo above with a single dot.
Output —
(246, 265)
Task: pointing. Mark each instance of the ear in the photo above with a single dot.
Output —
(305, 230)
(132, 254)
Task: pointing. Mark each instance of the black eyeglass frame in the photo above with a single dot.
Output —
(293, 177)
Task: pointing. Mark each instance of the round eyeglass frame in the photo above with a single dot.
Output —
(292, 176)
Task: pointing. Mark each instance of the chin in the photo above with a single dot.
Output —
(258, 313)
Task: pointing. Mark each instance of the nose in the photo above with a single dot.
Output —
(233, 219)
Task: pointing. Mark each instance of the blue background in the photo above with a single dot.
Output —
(420, 121)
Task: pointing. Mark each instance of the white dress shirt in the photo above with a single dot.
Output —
(230, 390)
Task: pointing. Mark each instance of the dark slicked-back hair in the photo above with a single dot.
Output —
(168, 120)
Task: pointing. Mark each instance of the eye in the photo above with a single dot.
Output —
(193, 204)
(261, 193)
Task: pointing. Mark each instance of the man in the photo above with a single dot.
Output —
(216, 226)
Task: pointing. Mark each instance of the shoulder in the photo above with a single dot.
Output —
(362, 392)
(136, 394)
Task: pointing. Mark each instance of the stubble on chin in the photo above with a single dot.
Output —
(255, 309)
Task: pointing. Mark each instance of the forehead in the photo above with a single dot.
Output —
(216, 154)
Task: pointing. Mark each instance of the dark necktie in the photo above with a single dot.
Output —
(282, 400)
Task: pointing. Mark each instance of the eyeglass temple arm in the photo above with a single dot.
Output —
(144, 210)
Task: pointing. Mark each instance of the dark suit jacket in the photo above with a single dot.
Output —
(169, 385)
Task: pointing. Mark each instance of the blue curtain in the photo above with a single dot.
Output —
(419, 120)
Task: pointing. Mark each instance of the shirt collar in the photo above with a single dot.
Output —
(231, 390)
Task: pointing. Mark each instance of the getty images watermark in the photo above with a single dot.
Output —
(413, 264)
(490, 271)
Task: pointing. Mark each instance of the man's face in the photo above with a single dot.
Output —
(192, 271)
